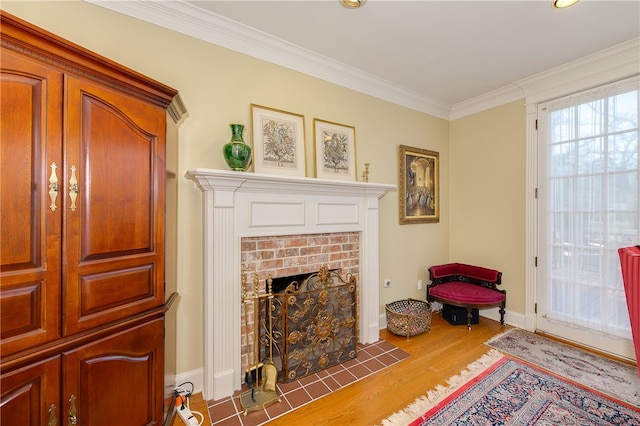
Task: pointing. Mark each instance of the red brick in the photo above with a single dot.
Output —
(288, 252)
(319, 259)
(287, 272)
(267, 254)
(333, 257)
(290, 261)
(310, 250)
(248, 256)
(331, 248)
(267, 265)
(247, 245)
(294, 242)
(270, 244)
(338, 238)
(318, 241)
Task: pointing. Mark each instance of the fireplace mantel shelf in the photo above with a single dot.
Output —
(212, 179)
(244, 204)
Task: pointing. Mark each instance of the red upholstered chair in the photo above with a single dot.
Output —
(467, 286)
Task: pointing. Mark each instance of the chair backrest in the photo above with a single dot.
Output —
(479, 275)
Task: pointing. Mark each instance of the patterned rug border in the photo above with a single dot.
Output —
(424, 403)
(628, 396)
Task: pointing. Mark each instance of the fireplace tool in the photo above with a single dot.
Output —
(270, 371)
(259, 396)
(248, 376)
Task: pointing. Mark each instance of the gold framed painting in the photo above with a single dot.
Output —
(335, 146)
(278, 141)
(419, 185)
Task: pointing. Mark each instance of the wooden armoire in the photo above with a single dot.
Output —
(83, 303)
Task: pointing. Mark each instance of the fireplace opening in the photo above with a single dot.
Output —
(308, 322)
(279, 284)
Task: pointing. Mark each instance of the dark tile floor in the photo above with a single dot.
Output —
(371, 358)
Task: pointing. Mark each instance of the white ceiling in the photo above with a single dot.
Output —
(441, 52)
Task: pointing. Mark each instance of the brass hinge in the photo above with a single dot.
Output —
(535, 308)
(536, 124)
(535, 261)
(536, 193)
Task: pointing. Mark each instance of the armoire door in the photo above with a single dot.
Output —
(117, 380)
(30, 395)
(114, 213)
(30, 203)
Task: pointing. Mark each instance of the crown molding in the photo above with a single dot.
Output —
(617, 62)
(193, 21)
(489, 100)
(614, 63)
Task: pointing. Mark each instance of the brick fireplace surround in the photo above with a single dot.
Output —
(240, 209)
(286, 256)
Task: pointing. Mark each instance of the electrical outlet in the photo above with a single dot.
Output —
(387, 282)
(419, 284)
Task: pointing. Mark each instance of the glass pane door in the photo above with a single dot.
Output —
(588, 208)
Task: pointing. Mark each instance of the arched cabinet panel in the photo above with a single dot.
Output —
(30, 394)
(114, 249)
(98, 376)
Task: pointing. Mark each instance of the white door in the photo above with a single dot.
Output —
(588, 192)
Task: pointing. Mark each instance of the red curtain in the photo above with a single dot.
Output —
(630, 263)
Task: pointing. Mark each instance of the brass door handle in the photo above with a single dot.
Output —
(53, 188)
(52, 417)
(73, 188)
(73, 420)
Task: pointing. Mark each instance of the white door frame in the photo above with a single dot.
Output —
(606, 66)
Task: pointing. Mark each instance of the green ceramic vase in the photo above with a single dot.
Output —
(236, 153)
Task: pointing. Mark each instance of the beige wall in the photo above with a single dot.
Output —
(487, 173)
(485, 215)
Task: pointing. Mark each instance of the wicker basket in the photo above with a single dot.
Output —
(408, 317)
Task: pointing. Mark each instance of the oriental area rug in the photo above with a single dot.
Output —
(611, 377)
(511, 392)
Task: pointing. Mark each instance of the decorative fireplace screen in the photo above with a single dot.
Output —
(313, 324)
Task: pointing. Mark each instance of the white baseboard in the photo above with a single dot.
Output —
(511, 318)
(194, 376)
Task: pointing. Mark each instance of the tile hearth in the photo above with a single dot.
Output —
(371, 358)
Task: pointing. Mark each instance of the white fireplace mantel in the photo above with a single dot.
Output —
(242, 204)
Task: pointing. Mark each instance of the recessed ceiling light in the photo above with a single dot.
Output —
(353, 4)
(561, 4)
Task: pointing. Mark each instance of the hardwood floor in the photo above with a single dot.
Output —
(435, 357)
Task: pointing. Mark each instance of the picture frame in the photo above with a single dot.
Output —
(278, 141)
(419, 189)
(335, 149)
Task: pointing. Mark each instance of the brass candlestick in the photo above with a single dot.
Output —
(365, 174)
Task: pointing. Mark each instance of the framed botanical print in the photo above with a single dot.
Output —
(335, 146)
(278, 141)
(419, 185)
